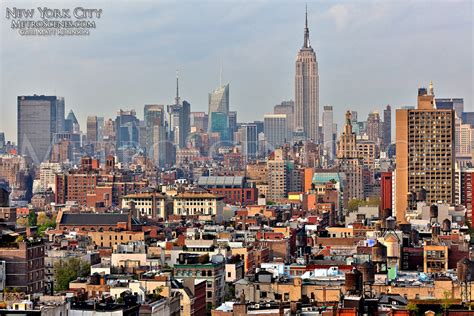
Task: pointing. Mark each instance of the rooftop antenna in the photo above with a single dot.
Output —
(177, 87)
(220, 75)
(306, 30)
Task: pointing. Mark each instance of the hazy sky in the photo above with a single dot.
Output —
(370, 53)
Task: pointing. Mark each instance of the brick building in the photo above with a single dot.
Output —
(24, 263)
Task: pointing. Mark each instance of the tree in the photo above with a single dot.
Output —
(42, 218)
(412, 308)
(32, 218)
(69, 270)
(44, 222)
(353, 205)
(446, 301)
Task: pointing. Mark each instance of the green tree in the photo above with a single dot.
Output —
(44, 222)
(353, 205)
(446, 301)
(42, 218)
(69, 270)
(412, 308)
(32, 217)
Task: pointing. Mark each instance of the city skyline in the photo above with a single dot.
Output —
(92, 84)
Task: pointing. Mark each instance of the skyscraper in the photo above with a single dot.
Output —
(387, 126)
(156, 136)
(374, 127)
(127, 134)
(199, 121)
(425, 154)
(288, 108)
(276, 129)
(349, 161)
(249, 140)
(232, 122)
(39, 118)
(219, 100)
(456, 104)
(71, 124)
(219, 123)
(307, 90)
(180, 119)
(277, 167)
(92, 129)
(219, 103)
(184, 123)
(328, 131)
(2, 142)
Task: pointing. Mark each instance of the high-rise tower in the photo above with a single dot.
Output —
(40, 117)
(307, 90)
(425, 139)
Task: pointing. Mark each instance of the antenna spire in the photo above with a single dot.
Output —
(220, 75)
(177, 88)
(306, 30)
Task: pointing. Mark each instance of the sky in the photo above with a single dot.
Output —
(370, 54)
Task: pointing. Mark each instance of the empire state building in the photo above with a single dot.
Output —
(306, 118)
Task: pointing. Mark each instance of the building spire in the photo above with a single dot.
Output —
(177, 88)
(220, 75)
(306, 30)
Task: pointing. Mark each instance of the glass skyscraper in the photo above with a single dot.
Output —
(39, 118)
(219, 102)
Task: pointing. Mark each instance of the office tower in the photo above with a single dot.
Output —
(219, 100)
(39, 118)
(109, 130)
(127, 134)
(374, 127)
(71, 124)
(425, 154)
(155, 130)
(92, 129)
(180, 125)
(199, 121)
(349, 161)
(232, 122)
(218, 103)
(328, 129)
(174, 112)
(464, 145)
(276, 130)
(218, 123)
(184, 123)
(179, 119)
(100, 128)
(249, 140)
(161, 151)
(288, 108)
(307, 90)
(456, 104)
(468, 118)
(387, 126)
(260, 126)
(277, 176)
(2, 142)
